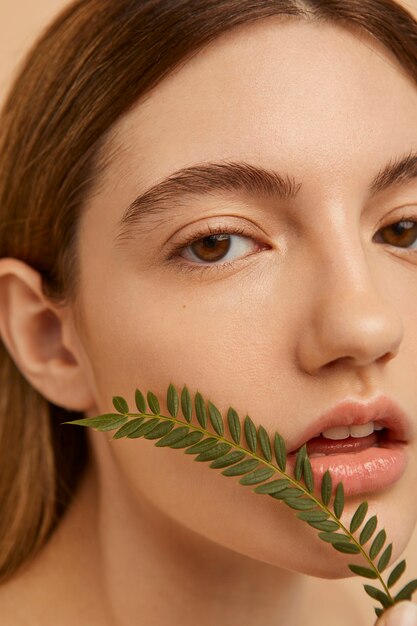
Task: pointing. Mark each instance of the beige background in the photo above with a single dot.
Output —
(22, 20)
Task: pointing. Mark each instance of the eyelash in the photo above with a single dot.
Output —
(206, 231)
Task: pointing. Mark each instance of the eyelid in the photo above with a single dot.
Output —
(206, 230)
(184, 265)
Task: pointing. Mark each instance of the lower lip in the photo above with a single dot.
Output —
(361, 472)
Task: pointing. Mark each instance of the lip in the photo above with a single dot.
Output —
(372, 468)
(381, 409)
(364, 472)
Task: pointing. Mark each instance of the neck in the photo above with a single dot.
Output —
(152, 565)
(115, 558)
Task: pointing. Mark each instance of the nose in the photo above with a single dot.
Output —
(351, 320)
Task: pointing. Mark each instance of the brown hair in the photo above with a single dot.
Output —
(91, 65)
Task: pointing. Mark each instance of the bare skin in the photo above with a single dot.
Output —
(312, 311)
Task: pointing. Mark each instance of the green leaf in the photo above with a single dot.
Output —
(200, 409)
(299, 461)
(203, 446)
(407, 591)
(229, 459)
(186, 405)
(273, 487)
(302, 504)
(333, 537)
(153, 403)
(161, 430)
(234, 425)
(396, 573)
(326, 487)
(280, 451)
(348, 548)
(144, 428)
(109, 421)
(214, 453)
(291, 492)
(250, 434)
(363, 571)
(368, 530)
(385, 557)
(188, 440)
(378, 611)
(358, 516)
(241, 468)
(128, 428)
(140, 401)
(379, 595)
(377, 543)
(120, 404)
(265, 443)
(172, 400)
(339, 500)
(215, 418)
(313, 516)
(308, 475)
(173, 437)
(259, 475)
(327, 526)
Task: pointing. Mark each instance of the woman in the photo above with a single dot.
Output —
(215, 194)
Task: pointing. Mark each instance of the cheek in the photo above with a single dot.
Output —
(220, 339)
(193, 497)
(197, 498)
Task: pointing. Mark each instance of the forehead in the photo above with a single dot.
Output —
(308, 93)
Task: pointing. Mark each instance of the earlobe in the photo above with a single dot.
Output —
(31, 329)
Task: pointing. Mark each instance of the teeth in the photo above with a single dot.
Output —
(362, 430)
(338, 432)
(343, 432)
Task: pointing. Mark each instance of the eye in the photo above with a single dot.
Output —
(214, 248)
(402, 233)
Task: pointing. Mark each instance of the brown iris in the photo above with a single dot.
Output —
(211, 248)
(402, 233)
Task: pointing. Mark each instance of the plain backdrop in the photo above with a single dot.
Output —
(22, 20)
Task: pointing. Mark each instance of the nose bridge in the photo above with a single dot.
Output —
(339, 251)
(351, 315)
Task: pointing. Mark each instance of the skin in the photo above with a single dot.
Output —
(329, 312)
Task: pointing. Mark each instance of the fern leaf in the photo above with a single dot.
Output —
(368, 530)
(215, 418)
(153, 403)
(200, 409)
(257, 469)
(172, 400)
(250, 434)
(234, 425)
(186, 405)
(120, 405)
(265, 443)
(140, 401)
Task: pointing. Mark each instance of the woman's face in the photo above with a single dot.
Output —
(304, 307)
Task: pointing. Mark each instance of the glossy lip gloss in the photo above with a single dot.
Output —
(363, 472)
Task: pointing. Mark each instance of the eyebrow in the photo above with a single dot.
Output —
(206, 178)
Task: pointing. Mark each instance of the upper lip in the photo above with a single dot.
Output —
(381, 409)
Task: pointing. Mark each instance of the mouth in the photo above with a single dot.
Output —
(322, 446)
(363, 446)
(372, 464)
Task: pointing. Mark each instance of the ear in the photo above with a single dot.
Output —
(41, 340)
